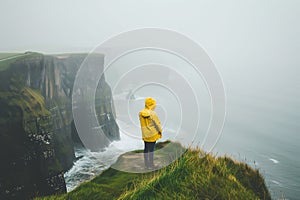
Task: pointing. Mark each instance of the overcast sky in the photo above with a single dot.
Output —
(80, 25)
(244, 38)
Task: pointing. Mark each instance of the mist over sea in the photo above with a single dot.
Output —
(262, 131)
(262, 114)
(254, 45)
(262, 122)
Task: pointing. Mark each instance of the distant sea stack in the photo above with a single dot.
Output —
(37, 132)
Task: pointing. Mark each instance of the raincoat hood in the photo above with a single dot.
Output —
(145, 112)
(150, 103)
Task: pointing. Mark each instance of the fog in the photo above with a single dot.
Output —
(238, 36)
(253, 44)
(244, 39)
(236, 27)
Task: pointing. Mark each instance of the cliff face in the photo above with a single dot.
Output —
(37, 133)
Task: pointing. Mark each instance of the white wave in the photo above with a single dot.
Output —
(274, 160)
(276, 182)
(93, 163)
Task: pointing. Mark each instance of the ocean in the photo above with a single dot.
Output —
(262, 124)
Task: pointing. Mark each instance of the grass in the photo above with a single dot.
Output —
(29, 101)
(194, 175)
(15, 97)
(5, 64)
(7, 55)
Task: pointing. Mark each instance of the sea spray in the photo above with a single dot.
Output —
(93, 163)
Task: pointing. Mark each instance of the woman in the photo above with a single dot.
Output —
(151, 130)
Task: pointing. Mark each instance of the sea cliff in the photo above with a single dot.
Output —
(37, 132)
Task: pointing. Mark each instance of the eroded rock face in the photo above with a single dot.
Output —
(36, 133)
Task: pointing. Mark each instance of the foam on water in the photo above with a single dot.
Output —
(93, 163)
(274, 160)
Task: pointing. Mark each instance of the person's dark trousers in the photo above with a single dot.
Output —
(148, 153)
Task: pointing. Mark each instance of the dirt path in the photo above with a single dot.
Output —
(133, 162)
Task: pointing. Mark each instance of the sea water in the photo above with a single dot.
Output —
(261, 132)
(261, 126)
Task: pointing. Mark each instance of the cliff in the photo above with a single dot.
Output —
(195, 175)
(37, 132)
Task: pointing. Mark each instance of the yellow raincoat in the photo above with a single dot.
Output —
(150, 124)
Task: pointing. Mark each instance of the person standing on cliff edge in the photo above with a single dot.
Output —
(151, 130)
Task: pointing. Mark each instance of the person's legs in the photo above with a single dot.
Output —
(151, 153)
(146, 154)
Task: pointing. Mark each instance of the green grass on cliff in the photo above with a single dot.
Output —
(6, 59)
(190, 177)
(30, 102)
(8, 55)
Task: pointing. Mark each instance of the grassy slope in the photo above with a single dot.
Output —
(31, 103)
(9, 59)
(7, 55)
(190, 177)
